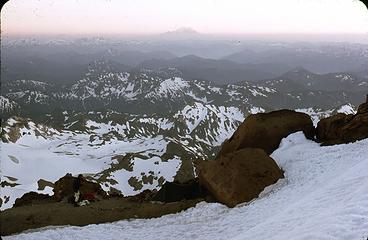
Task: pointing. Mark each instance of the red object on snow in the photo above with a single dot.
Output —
(89, 196)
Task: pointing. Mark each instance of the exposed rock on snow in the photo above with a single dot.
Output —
(32, 198)
(342, 128)
(363, 108)
(325, 196)
(239, 176)
(47, 214)
(64, 188)
(175, 191)
(242, 168)
(42, 184)
(329, 129)
(266, 130)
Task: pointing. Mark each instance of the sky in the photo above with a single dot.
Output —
(205, 16)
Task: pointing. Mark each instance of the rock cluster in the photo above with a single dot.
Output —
(242, 169)
(266, 130)
(63, 188)
(343, 128)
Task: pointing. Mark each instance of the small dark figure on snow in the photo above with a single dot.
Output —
(76, 187)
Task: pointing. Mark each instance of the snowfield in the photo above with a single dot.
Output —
(35, 157)
(324, 196)
(99, 150)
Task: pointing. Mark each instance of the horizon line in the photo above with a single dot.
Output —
(172, 33)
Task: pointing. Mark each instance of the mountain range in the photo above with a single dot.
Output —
(105, 85)
(134, 130)
(222, 61)
(134, 114)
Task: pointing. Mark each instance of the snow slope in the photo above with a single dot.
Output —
(116, 155)
(50, 154)
(324, 196)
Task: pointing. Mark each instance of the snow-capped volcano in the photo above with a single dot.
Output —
(181, 32)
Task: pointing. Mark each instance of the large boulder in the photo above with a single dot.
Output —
(63, 188)
(329, 129)
(266, 130)
(342, 128)
(239, 176)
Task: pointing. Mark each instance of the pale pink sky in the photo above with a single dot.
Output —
(205, 16)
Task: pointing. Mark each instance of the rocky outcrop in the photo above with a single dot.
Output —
(242, 168)
(238, 176)
(266, 130)
(144, 196)
(42, 184)
(175, 191)
(32, 198)
(363, 108)
(328, 129)
(63, 188)
(343, 128)
(16, 220)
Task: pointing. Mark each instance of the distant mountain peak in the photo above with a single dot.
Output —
(183, 30)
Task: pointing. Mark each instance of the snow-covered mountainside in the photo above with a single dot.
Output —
(302, 79)
(140, 116)
(130, 131)
(105, 85)
(7, 105)
(324, 196)
(122, 152)
(317, 113)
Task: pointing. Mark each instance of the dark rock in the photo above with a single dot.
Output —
(175, 191)
(363, 108)
(342, 128)
(266, 130)
(328, 129)
(32, 198)
(144, 196)
(42, 184)
(239, 176)
(63, 188)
